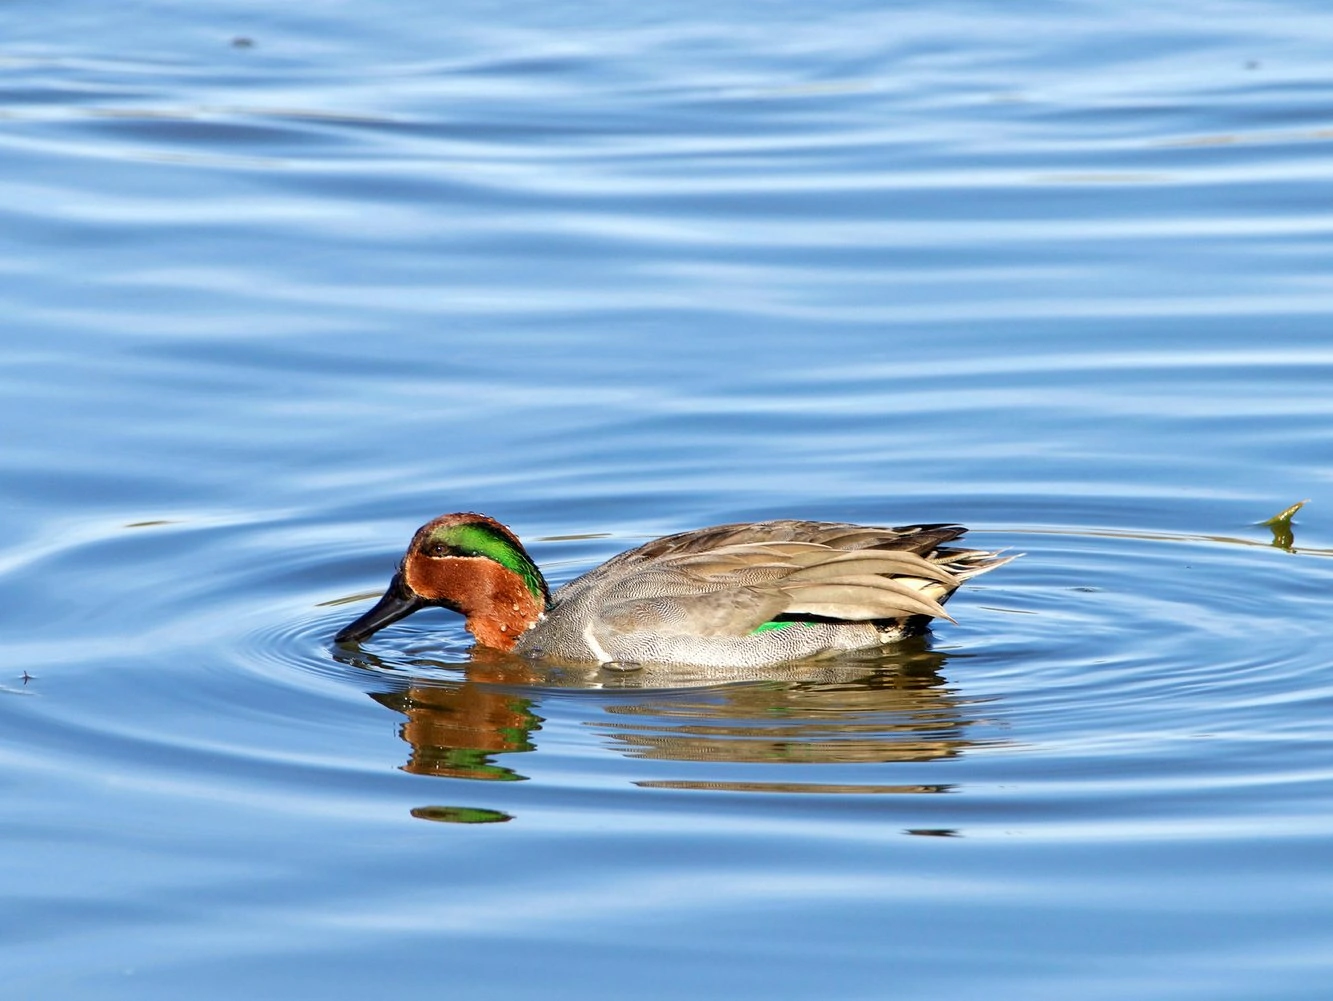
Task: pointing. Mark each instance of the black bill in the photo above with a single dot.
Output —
(398, 603)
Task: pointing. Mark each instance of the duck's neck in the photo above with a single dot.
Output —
(504, 608)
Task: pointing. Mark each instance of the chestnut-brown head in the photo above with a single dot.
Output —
(468, 563)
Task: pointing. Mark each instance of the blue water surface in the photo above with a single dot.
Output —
(283, 283)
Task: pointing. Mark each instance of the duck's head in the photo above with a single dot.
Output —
(468, 563)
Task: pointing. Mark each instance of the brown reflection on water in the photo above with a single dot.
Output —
(459, 729)
(894, 707)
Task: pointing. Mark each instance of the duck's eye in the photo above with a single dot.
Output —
(437, 549)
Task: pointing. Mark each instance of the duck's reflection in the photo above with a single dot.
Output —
(893, 707)
(459, 730)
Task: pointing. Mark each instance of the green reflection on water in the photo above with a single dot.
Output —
(461, 815)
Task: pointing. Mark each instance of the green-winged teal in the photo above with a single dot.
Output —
(745, 595)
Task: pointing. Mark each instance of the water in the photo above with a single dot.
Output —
(282, 285)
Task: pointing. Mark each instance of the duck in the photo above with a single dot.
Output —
(746, 595)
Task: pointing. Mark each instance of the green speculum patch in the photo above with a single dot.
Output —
(768, 627)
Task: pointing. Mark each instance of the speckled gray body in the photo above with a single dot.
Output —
(698, 597)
